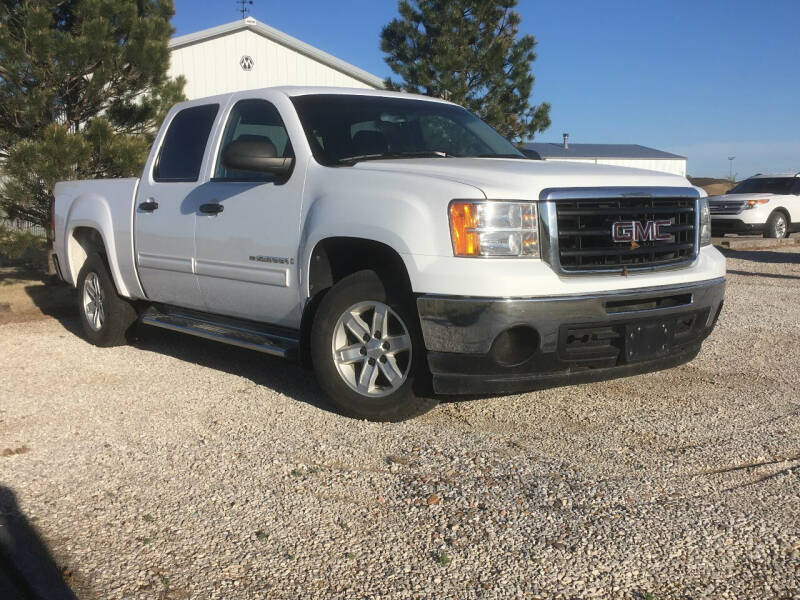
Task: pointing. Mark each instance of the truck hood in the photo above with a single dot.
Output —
(523, 179)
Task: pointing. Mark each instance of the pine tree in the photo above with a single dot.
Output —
(468, 52)
(83, 88)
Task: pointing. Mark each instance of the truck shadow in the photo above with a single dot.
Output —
(285, 377)
(768, 275)
(27, 569)
(59, 301)
(763, 256)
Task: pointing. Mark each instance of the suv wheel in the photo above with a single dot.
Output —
(367, 351)
(777, 226)
(106, 317)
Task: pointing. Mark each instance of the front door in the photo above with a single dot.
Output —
(247, 229)
(165, 210)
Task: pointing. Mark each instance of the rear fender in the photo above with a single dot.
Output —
(91, 211)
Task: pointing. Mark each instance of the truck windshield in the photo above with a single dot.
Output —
(764, 185)
(345, 129)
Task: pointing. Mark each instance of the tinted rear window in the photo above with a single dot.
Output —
(184, 144)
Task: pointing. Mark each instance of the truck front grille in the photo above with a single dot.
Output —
(585, 240)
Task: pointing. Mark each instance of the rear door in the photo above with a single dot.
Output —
(248, 228)
(166, 207)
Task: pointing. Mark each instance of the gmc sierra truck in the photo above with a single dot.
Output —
(395, 243)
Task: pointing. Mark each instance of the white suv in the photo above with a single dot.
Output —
(768, 204)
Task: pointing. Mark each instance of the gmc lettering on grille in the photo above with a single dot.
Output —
(641, 231)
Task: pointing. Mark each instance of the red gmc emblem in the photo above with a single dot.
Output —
(640, 231)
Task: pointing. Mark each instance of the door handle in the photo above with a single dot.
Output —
(212, 208)
(149, 206)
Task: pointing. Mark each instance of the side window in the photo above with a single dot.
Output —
(796, 186)
(182, 151)
(253, 119)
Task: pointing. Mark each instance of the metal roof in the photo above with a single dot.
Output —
(557, 150)
(279, 38)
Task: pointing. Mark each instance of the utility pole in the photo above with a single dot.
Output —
(243, 4)
(731, 159)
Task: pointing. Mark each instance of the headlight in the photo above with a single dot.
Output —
(705, 223)
(494, 228)
(754, 203)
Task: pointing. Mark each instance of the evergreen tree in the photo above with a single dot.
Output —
(83, 88)
(468, 52)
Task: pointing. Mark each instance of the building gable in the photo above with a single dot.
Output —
(248, 54)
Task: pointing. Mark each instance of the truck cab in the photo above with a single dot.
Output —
(394, 242)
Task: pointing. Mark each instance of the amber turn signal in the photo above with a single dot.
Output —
(463, 226)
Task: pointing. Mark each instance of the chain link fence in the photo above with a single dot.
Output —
(24, 226)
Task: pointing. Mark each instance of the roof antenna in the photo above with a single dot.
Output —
(243, 4)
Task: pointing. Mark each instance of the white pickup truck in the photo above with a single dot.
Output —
(397, 244)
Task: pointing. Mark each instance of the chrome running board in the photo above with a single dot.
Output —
(245, 334)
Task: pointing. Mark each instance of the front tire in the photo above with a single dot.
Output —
(777, 226)
(105, 316)
(367, 351)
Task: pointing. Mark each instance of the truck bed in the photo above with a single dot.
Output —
(106, 205)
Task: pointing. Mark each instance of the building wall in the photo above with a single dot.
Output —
(212, 66)
(676, 166)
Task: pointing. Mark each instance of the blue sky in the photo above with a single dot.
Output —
(706, 79)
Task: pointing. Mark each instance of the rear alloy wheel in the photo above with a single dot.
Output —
(106, 317)
(367, 351)
(777, 226)
(93, 297)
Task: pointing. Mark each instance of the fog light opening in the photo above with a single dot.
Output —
(515, 345)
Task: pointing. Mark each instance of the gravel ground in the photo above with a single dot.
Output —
(178, 468)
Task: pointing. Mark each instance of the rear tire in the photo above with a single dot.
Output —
(777, 226)
(105, 316)
(367, 351)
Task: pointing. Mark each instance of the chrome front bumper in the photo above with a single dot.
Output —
(571, 338)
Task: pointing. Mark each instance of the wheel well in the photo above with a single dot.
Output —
(334, 259)
(83, 242)
(785, 213)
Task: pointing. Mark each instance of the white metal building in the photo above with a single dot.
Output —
(622, 155)
(248, 54)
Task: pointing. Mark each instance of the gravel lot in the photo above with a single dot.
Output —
(178, 468)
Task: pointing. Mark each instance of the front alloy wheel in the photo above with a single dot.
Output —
(777, 226)
(372, 349)
(367, 349)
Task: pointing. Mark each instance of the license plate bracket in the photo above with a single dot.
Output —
(649, 340)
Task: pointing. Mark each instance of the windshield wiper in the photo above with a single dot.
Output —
(496, 156)
(351, 160)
